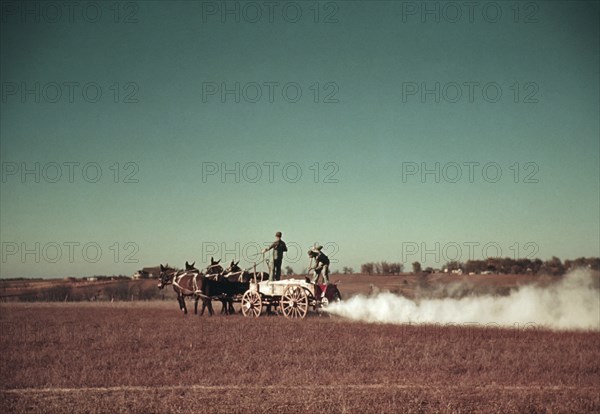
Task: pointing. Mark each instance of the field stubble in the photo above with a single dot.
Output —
(147, 357)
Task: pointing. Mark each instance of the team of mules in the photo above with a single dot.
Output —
(215, 283)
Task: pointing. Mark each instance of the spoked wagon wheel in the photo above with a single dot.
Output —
(294, 302)
(251, 304)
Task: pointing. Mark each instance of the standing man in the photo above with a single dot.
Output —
(278, 247)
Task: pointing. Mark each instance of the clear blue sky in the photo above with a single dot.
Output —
(367, 57)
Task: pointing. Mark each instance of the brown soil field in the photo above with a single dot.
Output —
(146, 357)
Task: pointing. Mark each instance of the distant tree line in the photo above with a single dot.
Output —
(552, 266)
(506, 265)
(113, 277)
(381, 268)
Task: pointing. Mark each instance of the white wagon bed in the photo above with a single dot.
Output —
(293, 297)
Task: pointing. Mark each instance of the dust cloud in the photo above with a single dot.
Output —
(573, 302)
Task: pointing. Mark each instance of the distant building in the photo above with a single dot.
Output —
(92, 279)
(140, 274)
(147, 273)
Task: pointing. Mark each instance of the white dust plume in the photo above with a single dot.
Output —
(573, 302)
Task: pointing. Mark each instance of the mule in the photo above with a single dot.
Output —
(223, 290)
(234, 273)
(185, 283)
(231, 282)
(214, 271)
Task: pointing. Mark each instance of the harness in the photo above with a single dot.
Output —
(239, 274)
(171, 280)
(176, 280)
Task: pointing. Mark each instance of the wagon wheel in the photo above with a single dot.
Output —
(294, 302)
(337, 298)
(251, 304)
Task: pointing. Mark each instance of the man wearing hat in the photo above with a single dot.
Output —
(278, 247)
(321, 264)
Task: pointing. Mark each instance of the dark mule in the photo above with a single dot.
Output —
(232, 282)
(214, 269)
(213, 272)
(234, 273)
(190, 280)
(222, 290)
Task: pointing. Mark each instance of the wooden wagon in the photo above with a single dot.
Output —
(293, 297)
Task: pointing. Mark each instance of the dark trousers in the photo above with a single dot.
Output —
(275, 270)
(274, 274)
